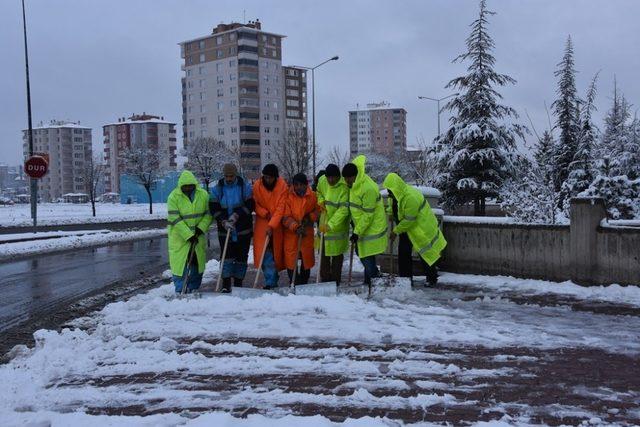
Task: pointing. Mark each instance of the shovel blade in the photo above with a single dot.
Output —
(361, 289)
(324, 289)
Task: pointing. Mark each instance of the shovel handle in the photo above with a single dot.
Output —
(295, 269)
(264, 250)
(224, 255)
(350, 264)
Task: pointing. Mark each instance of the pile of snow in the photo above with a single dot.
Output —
(479, 219)
(9, 251)
(46, 235)
(19, 215)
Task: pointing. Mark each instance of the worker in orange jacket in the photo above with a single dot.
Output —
(269, 193)
(300, 212)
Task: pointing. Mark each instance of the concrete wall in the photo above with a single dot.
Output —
(588, 251)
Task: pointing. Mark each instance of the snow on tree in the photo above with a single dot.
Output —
(338, 157)
(478, 148)
(531, 196)
(424, 166)
(142, 164)
(621, 195)
(582, 169)
(93, 172)
(614, 145)
(206, 156)
(631, 163)
(565, 109)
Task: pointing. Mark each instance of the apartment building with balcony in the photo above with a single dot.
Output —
(67, 147)
(378, 128)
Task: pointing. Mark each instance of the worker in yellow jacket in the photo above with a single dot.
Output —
(416, 226)
(333, 198)
(189, 221)
(368, 216)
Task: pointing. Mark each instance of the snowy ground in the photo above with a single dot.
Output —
(71, 240)
(78, 213)
(464, 352)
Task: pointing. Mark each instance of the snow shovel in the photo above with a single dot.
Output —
(224, 255)
(351, 288)
(253, 292)
(324, 289)
(391, 283)
(187, 268)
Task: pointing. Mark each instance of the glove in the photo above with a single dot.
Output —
(354, 238)
(229, 225)
(300, 230)
(323, 228)
(234, 218)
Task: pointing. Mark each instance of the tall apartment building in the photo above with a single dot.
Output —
(378, 129)
(295, 100)
(139, 130)
(234, 90)
(67, 147)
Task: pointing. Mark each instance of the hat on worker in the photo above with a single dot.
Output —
(332, 170)
(300, 178)
(229, 169)
(270, 170)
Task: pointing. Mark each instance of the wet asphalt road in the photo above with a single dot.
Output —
(42, 285)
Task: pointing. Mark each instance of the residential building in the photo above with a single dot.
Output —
(295, 100)
(139, 130)
(378, 128)
(67, 147)
(233, 90)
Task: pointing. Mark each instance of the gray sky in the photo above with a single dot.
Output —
(95, 61)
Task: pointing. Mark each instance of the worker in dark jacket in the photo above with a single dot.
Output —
(231, 204)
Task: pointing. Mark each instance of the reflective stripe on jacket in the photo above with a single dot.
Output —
(336, 202)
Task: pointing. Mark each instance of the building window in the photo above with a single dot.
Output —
(276, 117)
(234, 129)
(232, 50)
(203, 96)
(218, 67)
(232, 116)
(221, 131)
(276, 130)
(203, 133)
(264, 38)
(219, 53)
(201, 70)
(292, 82)
(232, 63)
(201, 44)
(203, 109)
(190, 84)
(274, 53)
(232, 76)
(220, 118)
(266, 116)
(293, 92)
(266, 91)
(188, 73)
(219, 40)
(232, 90)
(293, 103)
(220, 105)
(202, 57)
(191, 121)
(220, 80)
(201, 83)
(233, 103)
(203, 120)
(266, 77)
(232, 36)
(266, 103)
(275, 104)
(220, 92)
(266, 129)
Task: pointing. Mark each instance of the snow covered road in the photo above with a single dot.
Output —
(463, 352)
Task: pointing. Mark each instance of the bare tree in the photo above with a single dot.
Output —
(338, 157)
(293, 154)
(142, 164)
(425, 164)
(206, 156)
(93, 173)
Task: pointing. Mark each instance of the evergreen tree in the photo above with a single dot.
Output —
(565, 108)
(581, 169)
(615, 139)
(477, 151)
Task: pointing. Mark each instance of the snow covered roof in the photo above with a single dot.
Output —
(131, 122)
(59, 124)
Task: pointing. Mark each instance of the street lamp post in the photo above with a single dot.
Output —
(438, 101)
(33, 182)
(313, 107)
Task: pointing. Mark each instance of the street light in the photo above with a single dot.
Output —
(438, 101)
(313, 107)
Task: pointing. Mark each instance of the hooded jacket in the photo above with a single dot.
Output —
(336, 202)
(269, 205)
(416, 218)
(367, 212)
(184, 214)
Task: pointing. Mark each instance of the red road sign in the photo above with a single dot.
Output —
(36, 167)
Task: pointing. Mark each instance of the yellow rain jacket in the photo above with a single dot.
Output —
(184, 215)
(335, 200)
(367, 212)
(416, 219)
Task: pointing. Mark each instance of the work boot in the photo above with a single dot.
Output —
(226, 285)
(237, 282)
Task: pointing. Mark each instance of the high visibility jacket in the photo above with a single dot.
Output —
(336, 202)
(228, 199)
(367, 212)
(184, 214)
(296, 210)
(269, 209)
(416, 218)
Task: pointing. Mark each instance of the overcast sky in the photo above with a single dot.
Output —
(95, 61)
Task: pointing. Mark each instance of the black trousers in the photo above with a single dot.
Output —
(302, 277)
(235, 263)
(405, 261)
(331, 268)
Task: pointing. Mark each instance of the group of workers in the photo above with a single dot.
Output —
(281, 219)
